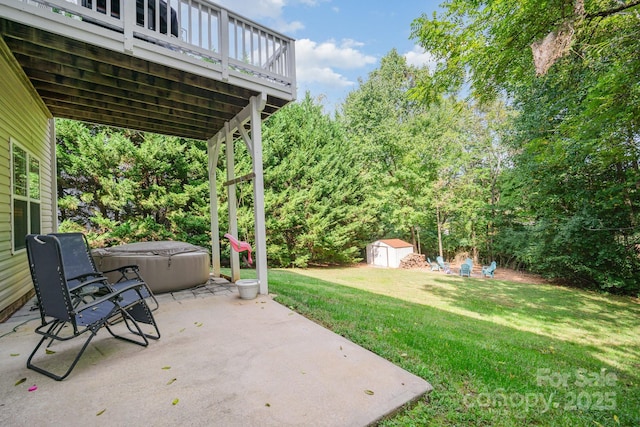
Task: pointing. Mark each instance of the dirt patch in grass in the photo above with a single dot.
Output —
(500, 274)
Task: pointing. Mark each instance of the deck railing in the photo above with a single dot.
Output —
(197, 28)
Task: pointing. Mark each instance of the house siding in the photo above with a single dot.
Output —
(24, 119)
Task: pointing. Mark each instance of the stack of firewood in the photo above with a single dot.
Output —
(412, 261)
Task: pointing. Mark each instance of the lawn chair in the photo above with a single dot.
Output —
(80, 266)
(57, 308)
(487, 271)
(466, 267)
(444, 266)
(434, 265)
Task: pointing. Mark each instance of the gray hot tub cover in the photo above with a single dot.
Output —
(165, 265)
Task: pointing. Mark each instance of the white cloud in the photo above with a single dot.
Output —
(318, 62)
(418, 57)
(268, 12)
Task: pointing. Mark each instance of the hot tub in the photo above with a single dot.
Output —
(166, 266)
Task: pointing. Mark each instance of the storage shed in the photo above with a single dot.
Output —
(388, 252)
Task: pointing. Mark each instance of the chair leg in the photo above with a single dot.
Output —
(126, 317)
(75, 361)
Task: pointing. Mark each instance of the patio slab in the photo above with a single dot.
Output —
(221, 361)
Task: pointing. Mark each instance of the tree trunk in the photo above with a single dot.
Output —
(439, 232)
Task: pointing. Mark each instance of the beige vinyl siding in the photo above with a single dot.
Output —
(25, 120)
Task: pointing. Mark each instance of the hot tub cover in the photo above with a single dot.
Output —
(165, 248)
(166, 266)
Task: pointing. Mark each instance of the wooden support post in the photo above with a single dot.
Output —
(231, 198)
(214, 152)
(257, 105)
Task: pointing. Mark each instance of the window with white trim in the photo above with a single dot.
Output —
(25, 195)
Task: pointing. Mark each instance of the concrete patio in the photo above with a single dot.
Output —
(221, 361)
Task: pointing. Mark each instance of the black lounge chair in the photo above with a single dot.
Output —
(58, 308)
(80, 266)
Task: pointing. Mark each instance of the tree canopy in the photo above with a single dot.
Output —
(571, 70)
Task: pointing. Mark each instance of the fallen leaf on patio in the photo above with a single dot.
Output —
(100, 413)
(182, 330)
(198, 324)
(369, 392)
(33, 388)
(268, 405)
(14, 354)
(49, 351)
(20, 381)
(166, 367)
(175, 402)
(171, 381)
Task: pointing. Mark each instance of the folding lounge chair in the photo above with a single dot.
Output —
(57, 308)
(80, 266)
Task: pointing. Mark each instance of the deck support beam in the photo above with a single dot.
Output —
(252, 137)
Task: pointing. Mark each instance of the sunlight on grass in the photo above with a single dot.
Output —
(497, 353)
(610, 323)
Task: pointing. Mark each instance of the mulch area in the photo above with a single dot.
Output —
(500, 273)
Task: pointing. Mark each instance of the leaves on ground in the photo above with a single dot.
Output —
(369, 392)
(20, 381)
(171, 381)
(33, 388)
(14, 354)
(166, 367)
(175, 401)
(49, 351)
(100, 412)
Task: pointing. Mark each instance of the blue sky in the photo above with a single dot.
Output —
(338, 41)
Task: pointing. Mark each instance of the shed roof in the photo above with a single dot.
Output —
(396, 243)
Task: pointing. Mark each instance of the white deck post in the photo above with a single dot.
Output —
(257, 105)
(231, 197)
(214, 151)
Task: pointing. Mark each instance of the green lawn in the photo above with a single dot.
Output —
(497, 353)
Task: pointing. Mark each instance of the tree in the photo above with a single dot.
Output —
(571, 69)
(315, 200)
(126, 186)
(377, 119)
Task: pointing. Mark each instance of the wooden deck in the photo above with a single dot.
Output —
(121, 69)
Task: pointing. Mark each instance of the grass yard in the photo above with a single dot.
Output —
(497, 353)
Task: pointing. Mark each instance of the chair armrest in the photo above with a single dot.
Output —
(133, 267)
(113, 297)
(97, 282)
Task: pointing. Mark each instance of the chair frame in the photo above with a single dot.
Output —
(83, 267)
(59, 308)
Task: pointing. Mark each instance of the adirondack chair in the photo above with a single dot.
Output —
(488, 270)
(58, 308)
(444, 266)
(466, 267)
(434, 265)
